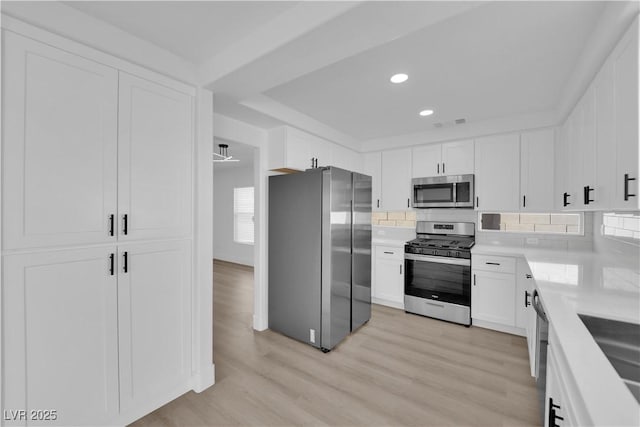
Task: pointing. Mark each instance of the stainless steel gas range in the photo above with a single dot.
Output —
(437, 280)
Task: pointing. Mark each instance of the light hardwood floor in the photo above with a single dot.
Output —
(399, 369)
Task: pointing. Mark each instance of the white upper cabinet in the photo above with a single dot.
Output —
(626, 75)
(59, 146)
(536, 170)
(605, 187)
(154, 160)
(426, 161)
(60, 335)
(293, 149)
(497, 162)
(372, 166)
(396, 180)
(450, 158)
(345, 158)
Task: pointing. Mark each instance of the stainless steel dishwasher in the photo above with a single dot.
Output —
(542, 332)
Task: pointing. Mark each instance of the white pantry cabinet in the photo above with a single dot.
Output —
(59, 146)
(450, 158)
(497, 162)
(293, 149)
(396, 180)
(537, 150)
(60, 331)
(372, 166)
(388, 276)
(154, 322)
(154, 160)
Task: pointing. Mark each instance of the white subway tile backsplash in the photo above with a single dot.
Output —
(535, 218)
(567, 219)
(396, 216)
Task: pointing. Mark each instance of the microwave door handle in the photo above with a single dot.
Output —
(455, 193)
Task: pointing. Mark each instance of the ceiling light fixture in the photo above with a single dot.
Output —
(425, 113)
(399, 78)
(223, 155)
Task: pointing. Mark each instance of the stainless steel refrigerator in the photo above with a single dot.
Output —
(319, 254)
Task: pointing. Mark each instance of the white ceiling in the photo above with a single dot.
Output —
(193, 30)
(497, 60)
(324, 66)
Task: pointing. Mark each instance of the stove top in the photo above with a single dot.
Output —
(440, 243)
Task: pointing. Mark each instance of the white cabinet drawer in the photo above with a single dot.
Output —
(389, 252)
(496, 264)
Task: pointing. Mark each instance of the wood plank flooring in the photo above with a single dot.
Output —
(397, 370)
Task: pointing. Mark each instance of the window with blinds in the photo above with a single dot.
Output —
(243, 215)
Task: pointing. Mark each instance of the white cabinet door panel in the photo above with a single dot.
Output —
(389, 275)
(497, 161)
(60, 335)
(396, 180)
(154, 321)
(457, 158)
(493, 296)
(59, 146)
(537, 171)
(605, 138)
(154, 160)
(426, 161)
(372, 166)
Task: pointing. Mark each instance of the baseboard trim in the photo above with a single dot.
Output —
(499, 327)
(388, 303)
(204, 379)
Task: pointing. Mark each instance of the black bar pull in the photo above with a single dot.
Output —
(387, 252)
(400, 269)
(378, 202)
(125, 220)
(408, 201)
(492, 263)
(477, 202)
(528, 276)
(316, 162)
(524, 201)
(438, 168)
(312, 163)
(125, 262)
(474, 280)
(527, 301)
(626, 187)
(587, 190)
(442, 167)
(112, 263)
(564, 199)
(111, 218)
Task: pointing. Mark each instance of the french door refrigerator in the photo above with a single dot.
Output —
(319, 254)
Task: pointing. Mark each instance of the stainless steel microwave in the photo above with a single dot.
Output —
(453, 191)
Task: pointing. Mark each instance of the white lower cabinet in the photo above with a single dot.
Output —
(154, 322)
(95, 343)
(388, 276)
(495, 297)
(60, 331)
(525, 313)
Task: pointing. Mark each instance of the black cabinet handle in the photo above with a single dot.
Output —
(564, 199)
(408, 201)
(400, 269)
(474, 280)
(312, 163)
(552, 414)
(125, 221)
(378, 202)
(492, 263)
(438, 168)
(442, 167)
(528, 276)
(524, 201)
(111, 219)
(527, 301)
(477, 202)
(112, 264)
(316, 162)
(587, 190)
(626, 187)
(125, 262)
(387, 252)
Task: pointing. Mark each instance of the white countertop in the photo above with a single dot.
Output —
(572, 282)
(391, 236)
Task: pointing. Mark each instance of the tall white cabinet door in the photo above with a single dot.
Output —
(426, 161)
(498, 172)
(537, 150)
(154, 321)
(457, 158)
(396, 180)
(605, 137)
(154, 160)
(59, 146)
(625, 66)
(372, 166)
(60, 335)
(588, 152)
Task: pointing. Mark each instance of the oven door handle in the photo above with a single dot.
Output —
(438, 259)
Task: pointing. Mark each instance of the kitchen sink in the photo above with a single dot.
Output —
(620, 342)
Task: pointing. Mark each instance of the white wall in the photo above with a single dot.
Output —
(224, 181)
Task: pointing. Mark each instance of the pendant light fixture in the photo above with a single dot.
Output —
(223, 154)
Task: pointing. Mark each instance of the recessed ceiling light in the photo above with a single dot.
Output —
(425, 113)
(399, 78)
